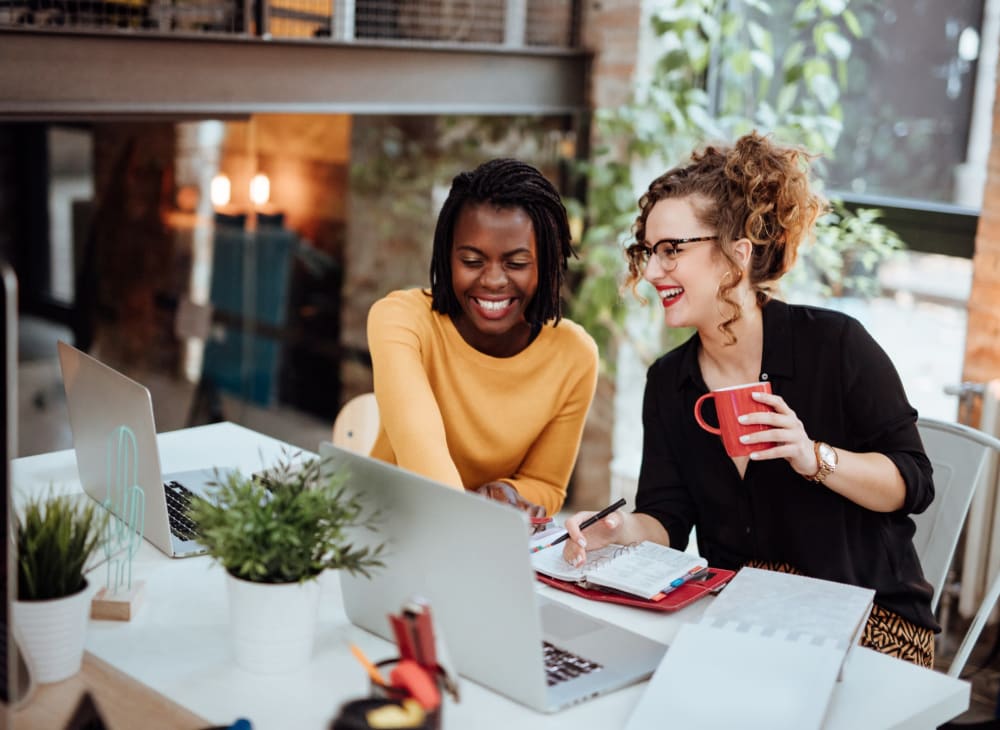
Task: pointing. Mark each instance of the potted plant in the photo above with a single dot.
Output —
(56, 537)
(275, 533)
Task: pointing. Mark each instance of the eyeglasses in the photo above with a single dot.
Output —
(667, 250)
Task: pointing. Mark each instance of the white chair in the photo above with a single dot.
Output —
(960, 456)
(975, 628)
(357, 423)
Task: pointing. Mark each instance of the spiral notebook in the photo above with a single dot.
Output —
(646, 570)
(773, 644)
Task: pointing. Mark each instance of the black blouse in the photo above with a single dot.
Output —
(846, 392)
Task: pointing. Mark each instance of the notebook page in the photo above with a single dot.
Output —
(796, 604)
(645, 569)
(718, 678)
(550, 562)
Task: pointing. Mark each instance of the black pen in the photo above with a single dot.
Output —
(586, 523)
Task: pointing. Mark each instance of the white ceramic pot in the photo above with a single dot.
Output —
(52, 634)
(273, 625)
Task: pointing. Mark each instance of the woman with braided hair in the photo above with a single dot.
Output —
(480, 382)
(841, 465)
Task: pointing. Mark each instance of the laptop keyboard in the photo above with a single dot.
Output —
(561, 665)
(178, 499)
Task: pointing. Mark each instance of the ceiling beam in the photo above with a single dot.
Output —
(78, 76)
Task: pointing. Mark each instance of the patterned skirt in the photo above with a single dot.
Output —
(886, 632)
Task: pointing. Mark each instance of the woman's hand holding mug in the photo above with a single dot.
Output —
(732, 405)
(783, 435)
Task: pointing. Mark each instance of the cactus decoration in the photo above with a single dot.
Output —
(126, 502)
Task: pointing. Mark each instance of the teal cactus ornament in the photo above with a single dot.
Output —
(126, 503)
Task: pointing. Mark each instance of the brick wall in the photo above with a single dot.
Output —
(610, 28)
(982, 341)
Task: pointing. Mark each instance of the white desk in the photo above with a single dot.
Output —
(178, 642)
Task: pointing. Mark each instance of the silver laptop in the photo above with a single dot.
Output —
(469, 557)
(100, 399)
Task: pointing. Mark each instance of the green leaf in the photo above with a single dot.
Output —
(820, 33)
(704, 121)
(805, 11)
(851, 21)
(793, 54)
(761, 6)
(763, 63)
(786, 97)
(839, 46)
(761, 37)
(288, 524)
(825, 90)
(55, 539)
(740, 62)
(815, 67)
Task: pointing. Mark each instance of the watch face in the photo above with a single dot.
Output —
(827, 454)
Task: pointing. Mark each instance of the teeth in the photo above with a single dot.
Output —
(493, 306)
(670, 293)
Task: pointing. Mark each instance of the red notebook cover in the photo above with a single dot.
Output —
(678, 598)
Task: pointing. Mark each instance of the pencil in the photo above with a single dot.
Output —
(586, 523)
(372, 670)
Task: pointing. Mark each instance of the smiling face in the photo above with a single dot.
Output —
(494, 274)
(688, 287)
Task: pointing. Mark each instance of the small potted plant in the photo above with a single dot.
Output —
(275, 533)
(56, 538)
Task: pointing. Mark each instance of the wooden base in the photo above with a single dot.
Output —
(118, 606)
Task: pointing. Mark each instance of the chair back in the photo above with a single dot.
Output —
(975, 628)
(357, 423)
(960, 456)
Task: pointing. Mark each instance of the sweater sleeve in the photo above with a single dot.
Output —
(545, 471)
(407, 406)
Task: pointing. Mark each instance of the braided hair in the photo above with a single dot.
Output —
(507, 183)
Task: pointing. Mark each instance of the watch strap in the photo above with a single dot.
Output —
(823, 468)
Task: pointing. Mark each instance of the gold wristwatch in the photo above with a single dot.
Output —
(826, 461)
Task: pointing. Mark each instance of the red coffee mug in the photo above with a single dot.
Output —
(730, 404)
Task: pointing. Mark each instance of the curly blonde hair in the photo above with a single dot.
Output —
(754, 189)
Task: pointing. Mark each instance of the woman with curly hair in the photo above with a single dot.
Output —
(840, 467)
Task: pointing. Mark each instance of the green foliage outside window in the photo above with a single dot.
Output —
(720, 73)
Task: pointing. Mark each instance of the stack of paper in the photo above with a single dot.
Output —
(766, 654)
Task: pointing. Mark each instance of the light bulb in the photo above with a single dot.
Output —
(220, 190)
(260, 189)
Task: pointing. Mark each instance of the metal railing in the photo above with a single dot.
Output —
(504, 23)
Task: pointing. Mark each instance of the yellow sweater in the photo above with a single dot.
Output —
(464, 418)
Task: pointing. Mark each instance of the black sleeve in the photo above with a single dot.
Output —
(880, 417)
(661, 493)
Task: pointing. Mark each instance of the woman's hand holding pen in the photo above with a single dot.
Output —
(601, 533)
(623, 528)
(792, 443)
